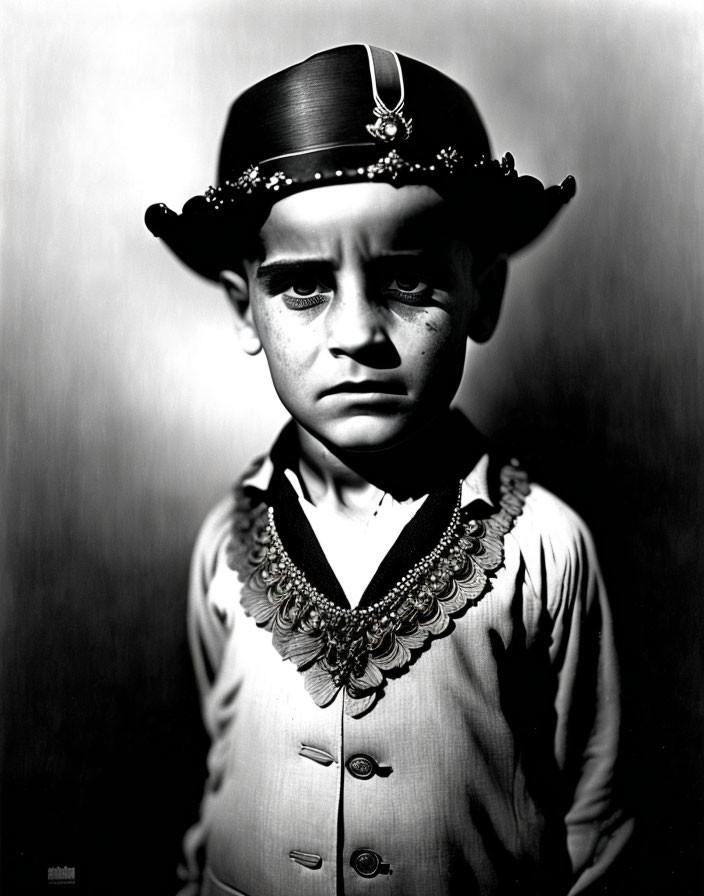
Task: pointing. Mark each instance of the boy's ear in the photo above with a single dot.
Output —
(489, 285)
(237, 291)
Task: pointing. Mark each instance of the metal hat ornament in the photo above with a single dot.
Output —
(350, 114)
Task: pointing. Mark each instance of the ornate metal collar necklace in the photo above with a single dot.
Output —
(335, 647)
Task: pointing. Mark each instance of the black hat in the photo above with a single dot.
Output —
(355, 113)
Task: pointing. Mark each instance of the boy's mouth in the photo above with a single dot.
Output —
(385, 387)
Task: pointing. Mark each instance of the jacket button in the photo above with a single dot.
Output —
(361, 766)
(365, 862)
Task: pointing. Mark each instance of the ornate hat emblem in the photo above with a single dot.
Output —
(390, 125)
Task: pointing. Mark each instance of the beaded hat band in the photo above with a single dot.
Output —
(354, 113)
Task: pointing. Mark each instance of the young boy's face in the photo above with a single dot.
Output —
(362, 300)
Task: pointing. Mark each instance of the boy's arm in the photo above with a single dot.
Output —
(207, 635)
(207, 632)
(588, 710)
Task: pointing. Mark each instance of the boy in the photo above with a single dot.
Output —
(403, 647)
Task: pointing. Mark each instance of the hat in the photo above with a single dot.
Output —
(354, 113)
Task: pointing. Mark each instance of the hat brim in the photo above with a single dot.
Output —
(503, 215)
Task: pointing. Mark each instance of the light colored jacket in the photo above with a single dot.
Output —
(486, 767)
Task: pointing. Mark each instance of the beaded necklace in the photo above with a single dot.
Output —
(338, 647)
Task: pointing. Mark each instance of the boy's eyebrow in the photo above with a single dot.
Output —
(272, 268)
(268, 269)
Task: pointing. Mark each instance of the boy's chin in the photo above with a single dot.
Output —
(365, 434)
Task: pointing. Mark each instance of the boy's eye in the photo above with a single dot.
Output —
(304, 292)
(408, 284)
(305, 286)
(408, 288)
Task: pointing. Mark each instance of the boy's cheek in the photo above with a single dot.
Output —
(279, 336)
(439, 334)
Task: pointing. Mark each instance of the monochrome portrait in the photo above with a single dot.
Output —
(352, 402)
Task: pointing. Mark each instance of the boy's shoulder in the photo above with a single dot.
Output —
(556, 548)
(216, 529)
(545, 512)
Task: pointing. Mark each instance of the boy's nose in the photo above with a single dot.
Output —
(355, 323)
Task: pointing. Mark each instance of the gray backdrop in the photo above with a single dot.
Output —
(127, 408)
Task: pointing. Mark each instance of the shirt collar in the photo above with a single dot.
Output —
(475, 486)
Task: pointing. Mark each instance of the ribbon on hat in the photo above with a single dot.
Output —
(387, 79)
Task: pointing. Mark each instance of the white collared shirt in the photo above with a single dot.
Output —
(353, 548)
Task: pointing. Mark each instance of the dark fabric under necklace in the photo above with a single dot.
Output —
(336, 647)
